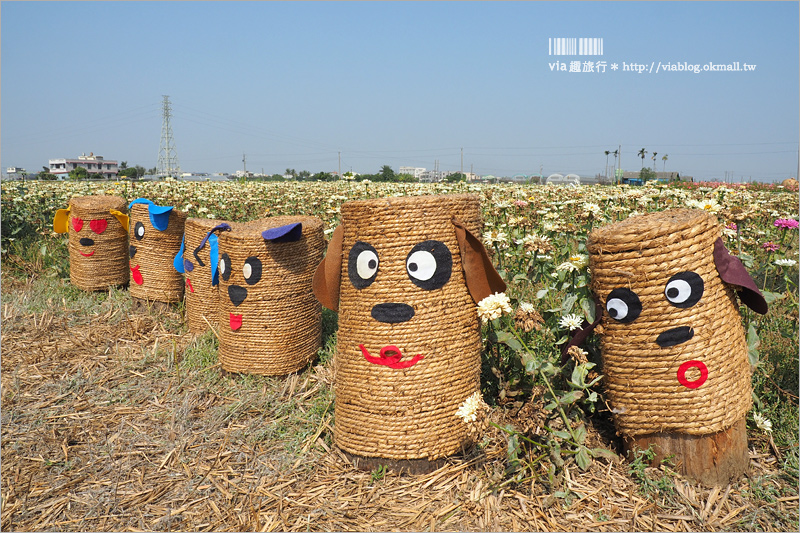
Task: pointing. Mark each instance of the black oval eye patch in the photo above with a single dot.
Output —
(362, 265)
(429, 265)
(623, 305)
(684, 289)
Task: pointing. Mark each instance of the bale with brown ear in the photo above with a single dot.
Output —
(405, 275)
(673, 346)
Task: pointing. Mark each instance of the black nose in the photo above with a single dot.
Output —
(675, 336)
(392, 313)
(237, 294)
(86, 242)
(132, 251)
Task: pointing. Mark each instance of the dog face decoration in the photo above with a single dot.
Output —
(269, 321)
(673, 346)
(405, 275)
(197, 260)
(98, 238)
(156, 233)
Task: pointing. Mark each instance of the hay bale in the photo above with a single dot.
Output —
(270, 322)
(198, 263)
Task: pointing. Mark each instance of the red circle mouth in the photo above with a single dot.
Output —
(699, 381)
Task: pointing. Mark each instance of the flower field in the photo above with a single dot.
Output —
(543, 430)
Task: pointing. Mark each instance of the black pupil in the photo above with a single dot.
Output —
(673, 292)
(412, 267)
(372, 264)
(613, 312)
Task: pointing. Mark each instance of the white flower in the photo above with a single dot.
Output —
(785, 262)
(707, 205)
(494, 306)
(571, 322)
(567, 266)
(468, 412)
(579, 260)
(527, 307)
(592, 209)
(762, 422)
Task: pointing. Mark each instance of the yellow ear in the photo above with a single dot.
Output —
(61, 220)
(122, 217)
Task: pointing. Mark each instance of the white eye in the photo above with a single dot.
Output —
(367, 264)
(678, 291)
(247, 270)
(421, 265)
(140, 231)
(222, 267)
(617, 309)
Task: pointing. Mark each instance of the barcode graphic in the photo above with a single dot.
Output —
(573, 46)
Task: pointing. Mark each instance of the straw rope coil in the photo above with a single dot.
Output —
(696, 386)
(201, 296)
(276, 328)
(154, 251)
(98, 248)
(405, 413)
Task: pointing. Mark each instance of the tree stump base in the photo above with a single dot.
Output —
(714, 459)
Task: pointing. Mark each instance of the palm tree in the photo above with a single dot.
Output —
(641, 154)
(664, 159)
(654, 160)
(616, 153)
(608, 152)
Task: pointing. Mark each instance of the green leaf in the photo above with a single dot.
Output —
(541, 293)
(580, 433)
(520, 277)
(753, 343)
(582, 458)
(570, 397)
(564, 435)
(43, 250)
(603, 453)
(588, 309)
(509, 340)
(531, 362)
(770, 297)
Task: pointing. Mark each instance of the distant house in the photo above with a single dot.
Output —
(632, 177)
(94, 164)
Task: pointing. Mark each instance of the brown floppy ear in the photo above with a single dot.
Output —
(328, 275)
(732, 271)
(482, 278)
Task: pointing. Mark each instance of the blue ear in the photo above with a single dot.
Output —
(159, 214)
(287, 233)
(213, 245)
(178, 261)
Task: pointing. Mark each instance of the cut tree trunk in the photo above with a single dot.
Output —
(713, 459)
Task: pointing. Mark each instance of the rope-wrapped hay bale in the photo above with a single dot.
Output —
(405, 275)
(673, 347)
(270, 322)
(98, 241)
(156, 233)
(197, 260)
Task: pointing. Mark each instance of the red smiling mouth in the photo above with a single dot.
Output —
(392, 361)
(189, 284)
(236, 321)
(137, 276)
(90, 254)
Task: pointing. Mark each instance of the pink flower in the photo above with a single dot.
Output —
(521, 203)
(770, 246)
(786, 223)
(731, 226)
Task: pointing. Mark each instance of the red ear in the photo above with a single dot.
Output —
(482, 278)
(328, 276)
(732, 271)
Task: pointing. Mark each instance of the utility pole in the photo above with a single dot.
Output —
(167, 154)
(462, 161)
(244, 162)
(340, 164)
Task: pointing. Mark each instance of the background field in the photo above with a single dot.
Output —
(116, 418)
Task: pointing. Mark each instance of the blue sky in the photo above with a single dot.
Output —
(292, 84)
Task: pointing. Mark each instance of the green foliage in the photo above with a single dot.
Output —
(652, 481)
(78, 173)
(647, 174)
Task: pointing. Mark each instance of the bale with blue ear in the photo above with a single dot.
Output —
(156, 233)
(269, 321)
(197, 261)
(673, 346)
(405, 275)
(98, 241)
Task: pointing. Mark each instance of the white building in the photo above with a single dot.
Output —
(94, 164)
(414, 171)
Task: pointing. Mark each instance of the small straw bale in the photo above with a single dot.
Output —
(673, 347)
(270, 322)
